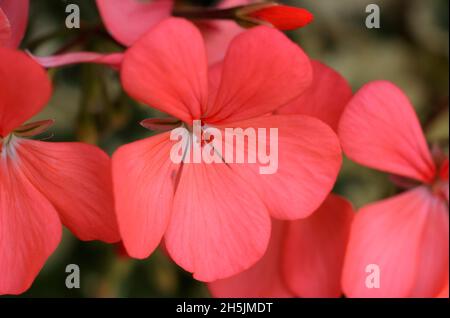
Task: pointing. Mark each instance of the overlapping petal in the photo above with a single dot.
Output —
(30, 228)
(314, 251)
(406, 237)
(144, 184)
(325, 98)
(305, 169)
(304, 257)
(380, 129)
(253, 57)
(219, 225)
(19, 74)
(167, 69)
(265, 278)
(76, 179)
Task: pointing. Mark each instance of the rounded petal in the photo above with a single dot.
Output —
(30, 229)
(302, 168)
(264, 279)
(17, 13)
(167, 69)
(219, 226)
(262, 71)
(406, 239)
(19, 74)
(380, 129)
(314, 249)
(113, 60)
(128, 20)
(325, 98)
(144, 185)
(76, 179)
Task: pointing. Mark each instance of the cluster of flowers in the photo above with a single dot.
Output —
(245, 234)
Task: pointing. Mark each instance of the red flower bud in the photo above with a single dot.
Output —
(279, 16)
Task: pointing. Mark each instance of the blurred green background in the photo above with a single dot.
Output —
(411, 49)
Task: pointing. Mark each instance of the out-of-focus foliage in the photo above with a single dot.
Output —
(410, 49)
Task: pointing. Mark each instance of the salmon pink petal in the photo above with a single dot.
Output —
(391, 238)
(128, 20)
(113, 60)
(219, 226)
(76, 179)
(16, 12)
(30, 229)
(5, 28)
(144, 182)
(19, 74)
(264, 279)
(380, 129)
(315, 247)
(167, 69)
(325, 98)
(297, 181)
(262, 71)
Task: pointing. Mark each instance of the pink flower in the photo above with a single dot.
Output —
(13, 22)
(43, 184)
(304, 257)
(215, 218)
(405, 236)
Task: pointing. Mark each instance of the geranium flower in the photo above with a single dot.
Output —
(215, 218)
(43, 184)
(405, 236)
(13, 22)
(304, 257)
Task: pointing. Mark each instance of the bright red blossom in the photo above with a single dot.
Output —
(407, 235)
(43, 184)
(282, 17)
(215, 218)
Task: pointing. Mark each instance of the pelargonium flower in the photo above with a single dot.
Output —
(304, 257)
(43, 184)
(405, 236)
(13, 22)
(215, 218)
